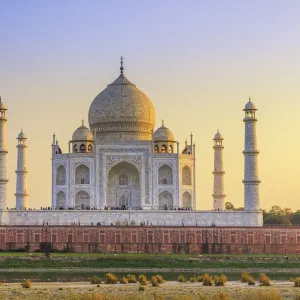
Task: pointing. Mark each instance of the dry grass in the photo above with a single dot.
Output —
(160, 279)
(245, 276)
(220, 280)
(181, 278)
(207, 280)
(27, 284)
(222, 296)
(264, 280)
(250, 280)
(111, 278)
(131, 278)
(154, 281)
(123, 280)
(143, 279)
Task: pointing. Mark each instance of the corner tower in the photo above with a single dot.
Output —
(3, 153)
(218, 195)
(251, 180)
(21, 189)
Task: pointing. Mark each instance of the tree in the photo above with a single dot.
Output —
(276, 220)
(295, 218)
(229, 206)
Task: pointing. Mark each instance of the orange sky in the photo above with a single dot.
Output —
(198, 63)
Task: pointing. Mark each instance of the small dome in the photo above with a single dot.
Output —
(250, 105)
(163, 134)
(21, 135)
(218, 136)
(82, 133)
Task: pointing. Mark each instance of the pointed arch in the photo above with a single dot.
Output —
(165, 175)
(61, 175)
(61, 199)
(165, 200)
(186, 176)
(187, 200)
(82, 199)
(82, 175)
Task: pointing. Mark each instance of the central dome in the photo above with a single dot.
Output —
(122, 112)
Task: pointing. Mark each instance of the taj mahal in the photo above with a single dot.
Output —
(122, 170)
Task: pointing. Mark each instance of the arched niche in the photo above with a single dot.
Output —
(165, 175)
(82, 148)
(123, 186)
(82, 175)
(163, 148)
(187, 200)
(61, 175)
(156, 149)
(61, 199)
(186, 176)
(165, 200)
(82, 199)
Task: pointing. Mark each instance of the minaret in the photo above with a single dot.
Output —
(21, 190)
(3, 153)
(251, 181)
(218, 195)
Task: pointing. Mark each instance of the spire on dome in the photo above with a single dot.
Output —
(162, 123)
(121, 68)
(82, 122)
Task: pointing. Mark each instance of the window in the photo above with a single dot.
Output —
(156, 149)
(75, 148)
(163, 149)
(82, 148)
(123, 180)
(90, 148)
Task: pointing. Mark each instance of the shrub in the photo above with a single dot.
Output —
(131, 278)
(224, 278)
(181, 278)
(27, 284)
(142, 288)
(200, 278)
(222, 296)
(297, 297)
(142, 279)
(207, 279)
(220, 280)
(193, 279)
(251, 280)
(158, 297)
(95, 280)
(264, 280)
(111, 278)
(245, 276)
(160, 279)
(296, 281)
(123, 280)
(154, 281)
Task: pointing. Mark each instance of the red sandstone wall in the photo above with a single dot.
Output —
(152, 239)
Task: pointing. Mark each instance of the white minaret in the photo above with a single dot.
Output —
(3, 153)
(251, 181)
(218, 195)
(21, 190)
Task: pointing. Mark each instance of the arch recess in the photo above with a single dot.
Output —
(165, 200)
(165, 175)
(186, 176)
(123, 186)
(82, 199)
(61, 199)
(187, 200)
(61, 175)
(82, 175)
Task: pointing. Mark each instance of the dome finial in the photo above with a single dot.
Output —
(122, 68)
(249, 99)
(162, 122)
(82, 122)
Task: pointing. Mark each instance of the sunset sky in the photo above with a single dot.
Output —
(198, 61)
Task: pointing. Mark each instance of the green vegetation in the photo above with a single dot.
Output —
(131, 278)
(95, 280)
(123, 280)
(99, 260)
(181, 278)
(250, 280)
